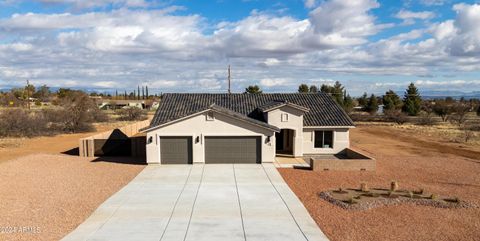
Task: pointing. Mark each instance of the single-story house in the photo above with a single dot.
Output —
(245, 128)
(119, 104)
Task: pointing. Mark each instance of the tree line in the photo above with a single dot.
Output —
(394, 106)
(18, 96)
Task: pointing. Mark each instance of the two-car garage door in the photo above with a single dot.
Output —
(244, 149)
(218, 149)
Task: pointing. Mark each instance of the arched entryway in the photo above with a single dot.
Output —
(284, 142)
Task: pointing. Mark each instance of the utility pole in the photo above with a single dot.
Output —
(28, 96)
(229, 90)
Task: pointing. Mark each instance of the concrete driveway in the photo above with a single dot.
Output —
(202, 202)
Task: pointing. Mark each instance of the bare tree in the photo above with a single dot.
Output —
(131, 114)
(460, 111)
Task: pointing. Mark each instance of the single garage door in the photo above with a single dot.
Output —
(245, 149)
(176, 149)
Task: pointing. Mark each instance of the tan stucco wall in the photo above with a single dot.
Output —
(295, 122)
(341, 140)
(198, 126)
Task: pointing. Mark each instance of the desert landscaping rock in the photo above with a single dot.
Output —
(384, 201)
(415, 165)
(53, 194)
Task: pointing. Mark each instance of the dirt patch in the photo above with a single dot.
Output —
(12, 148)
(428, 144)
(416, 162)
(53, 194)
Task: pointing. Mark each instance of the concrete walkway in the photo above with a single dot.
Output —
(202, 202)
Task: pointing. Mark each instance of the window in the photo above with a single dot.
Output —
(284, 117)
(323, 139)
(210, 116)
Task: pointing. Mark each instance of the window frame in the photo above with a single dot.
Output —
(284, 117)
(323, 139)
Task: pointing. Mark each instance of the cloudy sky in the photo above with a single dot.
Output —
(186, 46)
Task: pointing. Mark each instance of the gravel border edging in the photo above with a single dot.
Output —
(381, 201)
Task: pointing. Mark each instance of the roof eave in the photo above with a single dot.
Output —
(211, 108)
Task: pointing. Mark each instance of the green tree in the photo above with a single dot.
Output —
(29, 90)
(372, 105)
(19, 93)
(337, 91)
(412, 101)
(313, 89)
(64, 92)
(42, 93)
(253, 89)
(303, 88)
(347, 102)
(363, 100)
(391, 101)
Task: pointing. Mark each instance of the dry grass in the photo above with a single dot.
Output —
(445, 131)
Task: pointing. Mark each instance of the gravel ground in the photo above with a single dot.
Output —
(51, 195)
(415, 163)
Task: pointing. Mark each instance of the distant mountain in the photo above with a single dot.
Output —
(450, 93)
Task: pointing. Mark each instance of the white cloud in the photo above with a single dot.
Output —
(310, 3)
(433, 2)
(339, 22)
(409, 17)
(87, 4)
(270, 82)
(126, 47)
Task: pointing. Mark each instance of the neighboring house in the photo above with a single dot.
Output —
(118, 104)
(245, 128)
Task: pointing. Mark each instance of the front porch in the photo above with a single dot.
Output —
(290, 162)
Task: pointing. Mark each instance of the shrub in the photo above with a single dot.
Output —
(22, 123)
(132, 114)
(391, 194)
(452, 200)
(460, 112)
(351, 200)
(78, 111)
(397, 117)
(434, 196)
(393, 186)
(468, 134)
(419, 191)
(426, 119)
(99, 115)
(371, 194)
(364, 187)
(443, 109)
(410, 194)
